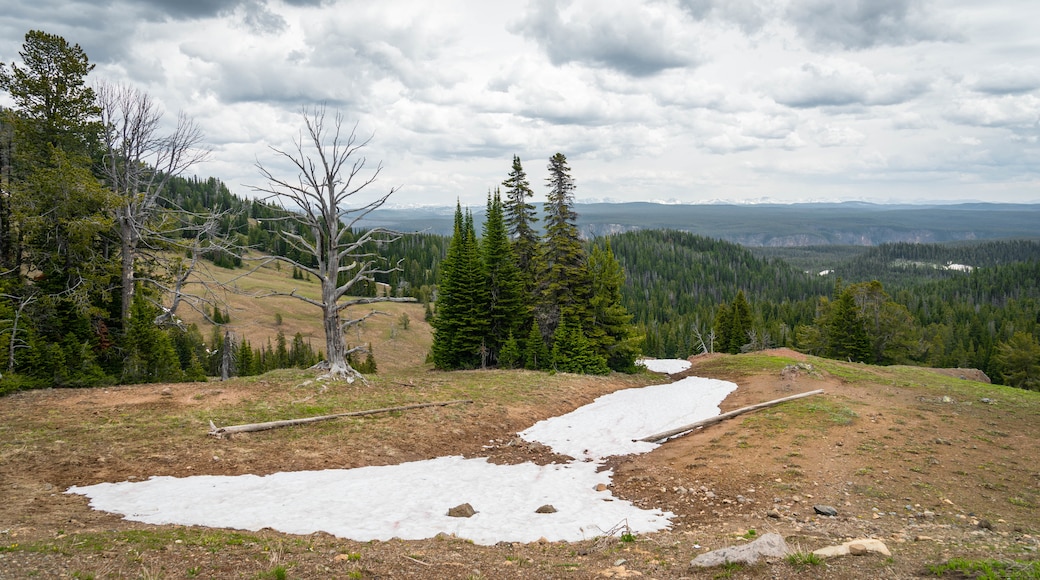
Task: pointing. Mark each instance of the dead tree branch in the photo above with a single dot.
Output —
(657, 437)
(250, 427)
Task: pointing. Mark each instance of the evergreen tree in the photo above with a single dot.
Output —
(520, 219)
(1019, 361)
(56, 107)
(610, 331)
(507, 302)
(281, 351)
(150, 356)
(510, 356)
(564, 281)
(740, 324)
(848, 335)
(460, 325)
(244, 359)
(572, 352)
(536, 353)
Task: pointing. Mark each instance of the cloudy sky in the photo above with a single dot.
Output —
(671, 100)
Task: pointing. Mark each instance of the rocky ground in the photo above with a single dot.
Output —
(936, 467)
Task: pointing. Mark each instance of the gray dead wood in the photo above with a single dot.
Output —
(720, 418)
(225, 431)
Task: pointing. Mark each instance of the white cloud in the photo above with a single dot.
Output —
(685, 94)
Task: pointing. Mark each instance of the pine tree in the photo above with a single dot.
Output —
(848, 335)
(510, 356)
(610, 329)
(536, 353)
(572, 352)
(244, 359)
(507, 304)
(460, 325)
(741, 323)
(150, 356)
(564, 281)
(520, 219)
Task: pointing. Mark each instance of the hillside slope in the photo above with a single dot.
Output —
(914, 457)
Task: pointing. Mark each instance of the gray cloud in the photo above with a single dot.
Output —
(840, 84)
(193, 9)
(634, 40)
(1008, 80)
(748, 15)
(861, 24)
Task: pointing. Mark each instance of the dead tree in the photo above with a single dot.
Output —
(323, 202)
(138, 163)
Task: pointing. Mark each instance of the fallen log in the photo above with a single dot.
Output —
(720, 418)
(249, 427)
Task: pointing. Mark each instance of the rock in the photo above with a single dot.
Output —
(462, 511)
(767, 546)
(868, 545)
(825, 510)
(545, 509)
(856, 547)
(832, 551)
(167, 392)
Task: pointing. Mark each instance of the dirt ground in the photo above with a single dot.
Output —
(934, 473)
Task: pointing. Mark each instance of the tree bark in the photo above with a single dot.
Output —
(225, 431)
(720, 418)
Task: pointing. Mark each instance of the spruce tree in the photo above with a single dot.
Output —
(573, 353)
(507, 304)
(510, 356)
(564, 281)
(741, 323)
(461, 323)
(536, 353)
(847, 332)
(520, 219)
(610, 329)
(449, 308)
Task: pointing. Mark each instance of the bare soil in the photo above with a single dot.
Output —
(914, 458)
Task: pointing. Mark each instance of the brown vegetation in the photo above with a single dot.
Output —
(910, 456)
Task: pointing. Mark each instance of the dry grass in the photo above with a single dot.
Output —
(256, 303)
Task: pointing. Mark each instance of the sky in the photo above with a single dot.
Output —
(678, 101)
(411, 500)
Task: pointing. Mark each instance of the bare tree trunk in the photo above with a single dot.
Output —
(126, 260)
(720, 418)
(251, 427)
(329, 176)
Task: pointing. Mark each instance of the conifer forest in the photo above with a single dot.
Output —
(107, 237)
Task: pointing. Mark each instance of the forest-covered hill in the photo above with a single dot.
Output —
(774, 225)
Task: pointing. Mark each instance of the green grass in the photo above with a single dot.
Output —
(804, 559)
(989, 569)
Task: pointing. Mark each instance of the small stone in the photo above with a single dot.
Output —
(825, 510)
(167, 392)
(545, 509)
(857, 549)
(462, 511)
(709, 494)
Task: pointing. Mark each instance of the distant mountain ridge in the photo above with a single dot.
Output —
(773, 225)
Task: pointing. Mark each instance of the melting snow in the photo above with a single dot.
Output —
(411, 500)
